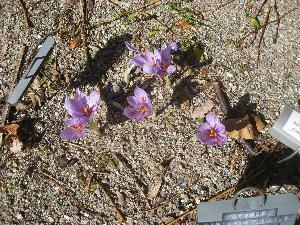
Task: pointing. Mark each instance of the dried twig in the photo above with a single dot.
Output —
(25, 12)
(277, 22)
(262, 35)
(18, 67)
(260, 8)
(70, 193)
(161, 204)
(117, 211)
(125, 14)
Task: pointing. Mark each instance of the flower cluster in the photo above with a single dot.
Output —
(82, 109)
(213, 131)
(156, 62)
(140, 105)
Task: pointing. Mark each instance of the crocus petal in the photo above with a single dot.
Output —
(171, 69)
(221, 139)
(80, 94)
(157, 55)
(212, 119)
(138, 60)
(142, 96)
(133, 113)
(71, 133)
(151, 58)
(204, 128)
(131, 47)
(149, 110)
(149, 69)
(204, 137)
(173, 46)
(212, 141)
(93, 100)
(133, 101)
(75, 108)
(166, 56)
(220, 128)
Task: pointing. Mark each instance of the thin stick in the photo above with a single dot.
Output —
(117, 211)
(70, 193)
(125, 14)
(277, 22)
(6, 107)
(260, 8)
(261, 36)
(28, 23)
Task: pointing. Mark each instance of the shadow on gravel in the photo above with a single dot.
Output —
(189, 59)
(95, 74)
(285, 173)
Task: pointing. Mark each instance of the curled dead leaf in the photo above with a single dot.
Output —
(183, 24)
(201, 110)
(240, 128)
(75, 43)
(258, 122)
(10, 129)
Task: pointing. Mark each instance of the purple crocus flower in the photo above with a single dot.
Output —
(75, 129)
(140, 105)
(213, 131)
(156, 62)
(83, 106)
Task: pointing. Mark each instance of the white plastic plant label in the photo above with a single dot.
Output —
(287, 128)
(292, 126)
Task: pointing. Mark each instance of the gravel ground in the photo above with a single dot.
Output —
(49, 181)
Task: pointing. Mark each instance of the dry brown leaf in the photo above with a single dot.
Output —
(154, 190)
(260, 125)
(240, 128)
(201, 110)
(183, 24)
(16, 145)
(75, 43)
(10, 129)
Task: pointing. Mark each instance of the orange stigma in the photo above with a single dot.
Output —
(212, 133)
(143, 109)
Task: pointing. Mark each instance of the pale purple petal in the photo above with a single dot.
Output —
(220, 128)
(133, 101)
(131, 47)
(79, 94)
(149, 69)
(93, 100)
(212, 141)
(139, 93)
(157, 55)
(204, 137)
(221, 140)
(133, 113)
(166, 56)
(149, 110)
(173, 46)
(70, 133)
(138, 60)
(204, 128)
(151, 58)
(75, 108)
(171, 69)
(212, 119)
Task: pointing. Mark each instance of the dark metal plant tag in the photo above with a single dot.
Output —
(263, 210)
(32, 71)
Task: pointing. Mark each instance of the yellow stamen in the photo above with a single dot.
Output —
(212, 133)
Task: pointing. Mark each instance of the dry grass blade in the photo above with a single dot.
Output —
(28, 23)
(262, 35)
(115, 208)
